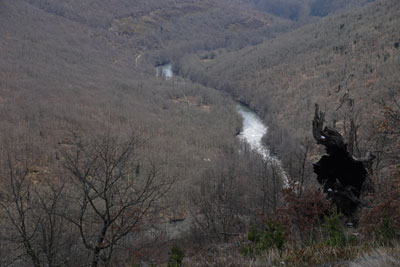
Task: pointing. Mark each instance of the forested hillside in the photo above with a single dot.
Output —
(65, 74)
(303, 9)
(104, 164)
(354, 55)
(69, 76)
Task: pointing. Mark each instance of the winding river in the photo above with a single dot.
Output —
(253, 128)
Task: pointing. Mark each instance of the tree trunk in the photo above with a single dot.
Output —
(98, 247)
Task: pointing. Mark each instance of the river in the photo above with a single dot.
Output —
(164, 71)
(253, 128)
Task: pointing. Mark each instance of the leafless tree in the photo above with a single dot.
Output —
(390, 126)
(266, 183)
(221, 201)
(299, 165)
(30, 207)
(113, 192)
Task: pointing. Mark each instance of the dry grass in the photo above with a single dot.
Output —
(221, 257)
(383, 257)
(360, 256)
(365, 254)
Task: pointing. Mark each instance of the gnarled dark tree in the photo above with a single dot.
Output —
(341, 174)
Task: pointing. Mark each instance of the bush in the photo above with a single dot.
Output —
(302, 212)
(272, 236)
(383, 216)
(386, 232)
(334, 231)
(175, 256)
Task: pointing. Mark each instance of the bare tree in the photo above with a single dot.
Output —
(221, 201)
(299, 165)
(390, 125)
(113, 192)
(29, 207)
(266, 183)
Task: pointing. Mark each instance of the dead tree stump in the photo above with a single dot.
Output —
(341, 175)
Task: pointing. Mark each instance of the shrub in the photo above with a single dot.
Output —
(384, 212)
(334, 231)
(175, 256)
(302, 212)
(272, 236)
(386, 232)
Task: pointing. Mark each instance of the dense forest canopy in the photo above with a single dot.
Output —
(104, 164)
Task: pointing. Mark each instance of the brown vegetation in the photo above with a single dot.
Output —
(77, 79)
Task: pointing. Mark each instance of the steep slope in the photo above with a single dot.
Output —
(303, 9)
(88, 67)
(58, 74)
(282, 78)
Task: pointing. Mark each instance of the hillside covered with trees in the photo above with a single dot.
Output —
(352, 56)
(102, 163)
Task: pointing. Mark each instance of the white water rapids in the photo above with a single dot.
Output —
(253, 130)
(164, 71)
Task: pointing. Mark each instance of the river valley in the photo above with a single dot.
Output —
(253, 128)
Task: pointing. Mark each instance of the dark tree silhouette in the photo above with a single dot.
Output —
(341, 174)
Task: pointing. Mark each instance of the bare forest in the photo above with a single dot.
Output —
(105, 163)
